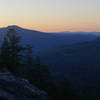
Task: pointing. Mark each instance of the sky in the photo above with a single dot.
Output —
(52, 15)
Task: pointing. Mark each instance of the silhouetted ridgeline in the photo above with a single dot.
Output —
(43, 41)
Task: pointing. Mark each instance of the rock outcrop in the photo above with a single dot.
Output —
(15, 88)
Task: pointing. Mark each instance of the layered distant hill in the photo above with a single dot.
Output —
(43, 41)
(80, 62)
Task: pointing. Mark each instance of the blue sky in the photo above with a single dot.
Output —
(51, 15)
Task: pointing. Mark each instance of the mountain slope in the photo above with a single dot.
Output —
(81, 62)
(44, 41)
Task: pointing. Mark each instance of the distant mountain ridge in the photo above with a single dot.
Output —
(80, 62)
(43, 41)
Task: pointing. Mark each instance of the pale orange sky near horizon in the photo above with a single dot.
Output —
(51, 15)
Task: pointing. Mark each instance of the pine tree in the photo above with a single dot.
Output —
(29, 56)
(4, 54)
(10, 55)
(28, 62)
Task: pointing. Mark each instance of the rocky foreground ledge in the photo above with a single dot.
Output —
(15, 88)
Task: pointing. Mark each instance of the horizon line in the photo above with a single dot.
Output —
(49, 31)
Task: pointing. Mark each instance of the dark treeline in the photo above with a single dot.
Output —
(19, 61)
